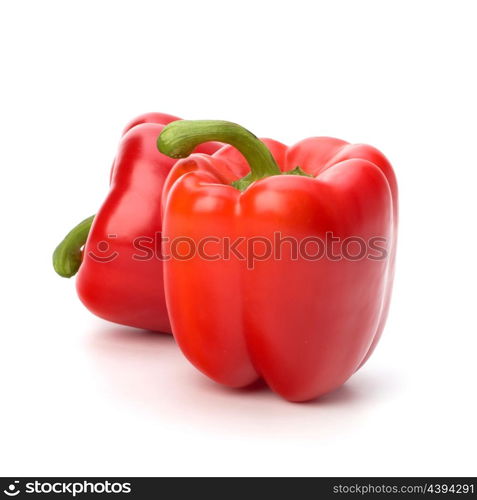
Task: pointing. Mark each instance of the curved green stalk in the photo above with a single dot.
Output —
(180, 138)
(67, 255)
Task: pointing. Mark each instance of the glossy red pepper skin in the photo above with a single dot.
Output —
(112, 281)
(304, 326)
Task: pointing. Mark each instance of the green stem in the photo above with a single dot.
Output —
(67, 255)
(180, 138)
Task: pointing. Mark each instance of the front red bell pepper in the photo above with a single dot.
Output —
(120, 272)
(304, 324)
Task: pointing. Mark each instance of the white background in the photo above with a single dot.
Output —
(80, 396)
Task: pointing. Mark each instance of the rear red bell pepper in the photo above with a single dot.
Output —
(120, 273)
(302, 323)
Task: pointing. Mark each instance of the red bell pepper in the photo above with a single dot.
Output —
(303, 324)
(120, 274)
